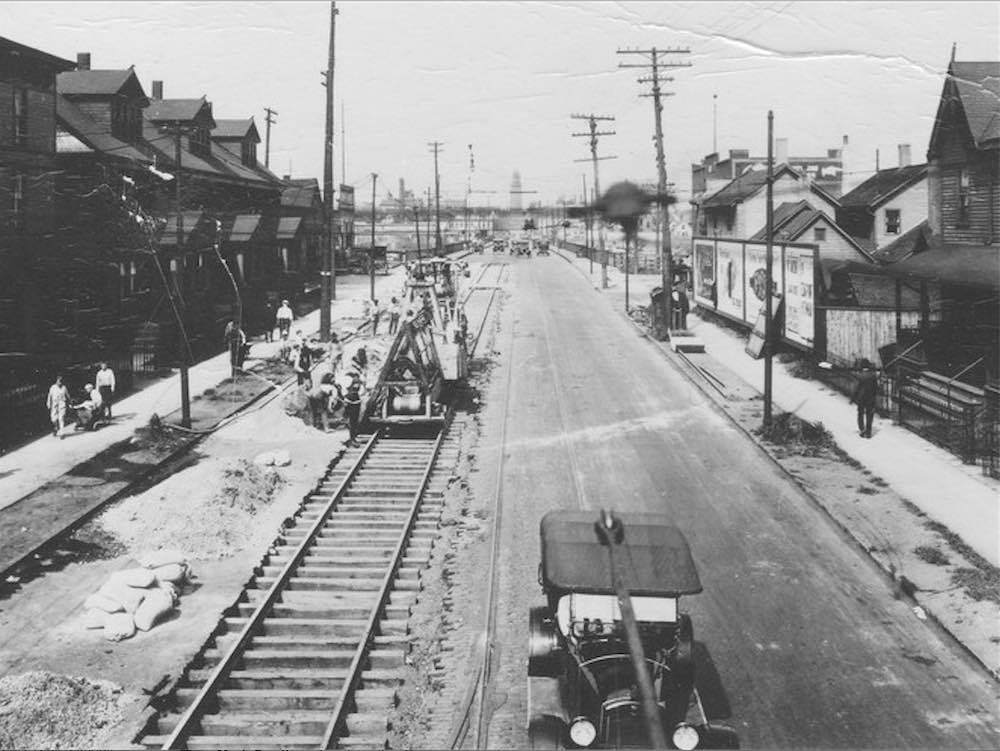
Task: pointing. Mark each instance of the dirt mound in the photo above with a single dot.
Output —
(206, 519)
(796, 436)
(45, 710)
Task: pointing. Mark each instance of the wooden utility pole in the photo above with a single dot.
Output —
(767, 268)
(592, 134)
(268, 112)
(416, 226)
(328, 282)
(428, 220)
(436, 147)
(656, 65)
(371, 252)
(586, 224)
(185, 351)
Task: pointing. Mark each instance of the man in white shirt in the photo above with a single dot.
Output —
(89, 410)
(284, 318)
(105, 382)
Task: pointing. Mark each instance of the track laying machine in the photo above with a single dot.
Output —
(428, 357)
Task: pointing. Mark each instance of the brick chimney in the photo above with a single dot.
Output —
(157, 90)
(904, 154)
(83, 61)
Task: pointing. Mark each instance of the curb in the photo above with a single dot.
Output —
(906, 586)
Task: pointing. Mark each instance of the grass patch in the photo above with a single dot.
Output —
(797, 436)
(913, 509)
(865, 490)
(979, 584)
(930, 554)
(879, 482)
(981, 581)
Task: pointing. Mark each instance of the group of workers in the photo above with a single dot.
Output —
(92, 410)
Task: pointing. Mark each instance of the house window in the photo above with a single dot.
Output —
(892, 221)
(20, 117)
(819, 234)
(963, 195)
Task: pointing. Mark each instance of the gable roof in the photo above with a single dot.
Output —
(743, 187)
(300, 193)
(8, 47)
(912, 241)
(971, 265)
(83, 129)
(975, 87)
(100, 83)
(978, 85)
(236, 129)
(161, 110)
(883, 185)
(783, 214)
(792, 220)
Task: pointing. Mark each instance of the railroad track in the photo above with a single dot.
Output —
(500, 269)
(309, 656)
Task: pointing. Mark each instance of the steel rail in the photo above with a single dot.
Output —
(183, 729)
(354, 671)
(486, 313)
(483, 675)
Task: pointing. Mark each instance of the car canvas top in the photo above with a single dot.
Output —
(654, 560)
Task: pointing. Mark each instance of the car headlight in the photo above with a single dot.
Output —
(685, 737)
(582, 732)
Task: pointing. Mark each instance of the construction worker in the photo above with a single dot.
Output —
(352, 409)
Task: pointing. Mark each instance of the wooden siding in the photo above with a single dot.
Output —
(41, 120)
(97, 110)
(976, 227)
(853, 333)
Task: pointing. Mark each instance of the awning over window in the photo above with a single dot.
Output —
(288, 227)
(189, 223)
(243, 228)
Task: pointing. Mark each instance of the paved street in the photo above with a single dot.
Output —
(802, 642)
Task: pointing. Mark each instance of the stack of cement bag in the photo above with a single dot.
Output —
(138, 598)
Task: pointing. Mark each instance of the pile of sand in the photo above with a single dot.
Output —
(45, 710)
(205, 510)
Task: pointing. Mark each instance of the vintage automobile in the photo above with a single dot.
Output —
(582, 685)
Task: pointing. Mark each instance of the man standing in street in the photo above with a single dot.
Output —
(57, 402)
(105, 382)
(284, 318)
(864, 396)
(395, 311)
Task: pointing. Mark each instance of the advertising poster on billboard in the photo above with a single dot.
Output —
(729, 285)
(704, 273)
(799, 273)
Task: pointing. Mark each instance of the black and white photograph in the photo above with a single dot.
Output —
(522, 374)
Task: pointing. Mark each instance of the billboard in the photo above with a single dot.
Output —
(738, 269)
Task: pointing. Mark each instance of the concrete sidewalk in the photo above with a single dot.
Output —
(24, 470)
(954, 494)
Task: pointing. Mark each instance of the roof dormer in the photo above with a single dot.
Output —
(114, 99)
(240, 137)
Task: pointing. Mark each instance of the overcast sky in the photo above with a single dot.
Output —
(506, 76)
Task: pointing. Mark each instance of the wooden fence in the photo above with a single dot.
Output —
(855, 333)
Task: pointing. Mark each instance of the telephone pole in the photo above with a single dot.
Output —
(436, 147)
(186, 356)
(656, 65)
(769, 294)
(594, 159)
(268, 112)
(371, 253)
(328, 281)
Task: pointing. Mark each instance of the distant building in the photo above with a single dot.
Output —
(516, 203)
(887, 205)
